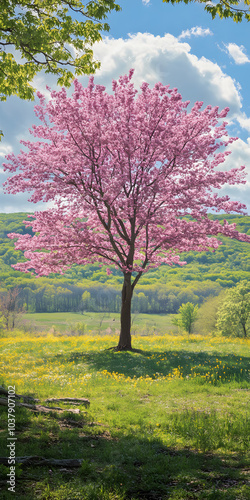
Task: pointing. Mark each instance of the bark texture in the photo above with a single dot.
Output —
(125, 333)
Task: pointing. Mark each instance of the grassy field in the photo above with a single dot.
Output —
(169, 421)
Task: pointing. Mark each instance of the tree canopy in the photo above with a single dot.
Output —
(234, 9)
(54, 35)
(234, 313)
(187, 315)
(131, 178)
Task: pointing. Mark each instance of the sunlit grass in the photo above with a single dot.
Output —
(33, 362)
(175, 392)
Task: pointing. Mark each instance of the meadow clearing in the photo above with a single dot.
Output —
(167, 421)
(100, 323)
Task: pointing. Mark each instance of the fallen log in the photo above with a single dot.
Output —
(40, 408)
(19, 396)
(52, 462)
(76, 401)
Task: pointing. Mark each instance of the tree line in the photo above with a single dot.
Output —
(49, 297)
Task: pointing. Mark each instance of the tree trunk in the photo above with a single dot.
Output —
(125, 335)
(244, 329)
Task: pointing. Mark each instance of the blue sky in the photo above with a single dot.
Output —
(207, 60)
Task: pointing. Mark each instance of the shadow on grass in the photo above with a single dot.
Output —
(152, 363)
(132, 467)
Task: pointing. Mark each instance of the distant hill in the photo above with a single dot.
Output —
(159, 290)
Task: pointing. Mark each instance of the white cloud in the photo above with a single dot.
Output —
(170, 61)
(240, 155)
(145, 2)
(244, 121)
(237, 53)
(195, 31)
(4, 149)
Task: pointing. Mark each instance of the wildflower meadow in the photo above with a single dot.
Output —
(168, 420)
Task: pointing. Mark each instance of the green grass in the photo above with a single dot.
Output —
(142, 324)
(170, 421)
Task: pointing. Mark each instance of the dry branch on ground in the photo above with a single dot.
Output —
(35, 460)
(75, 401)
(41, 408)
(19, 396)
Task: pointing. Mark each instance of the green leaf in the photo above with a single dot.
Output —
(42, 33)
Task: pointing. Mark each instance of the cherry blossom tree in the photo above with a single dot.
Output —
(132, 176)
